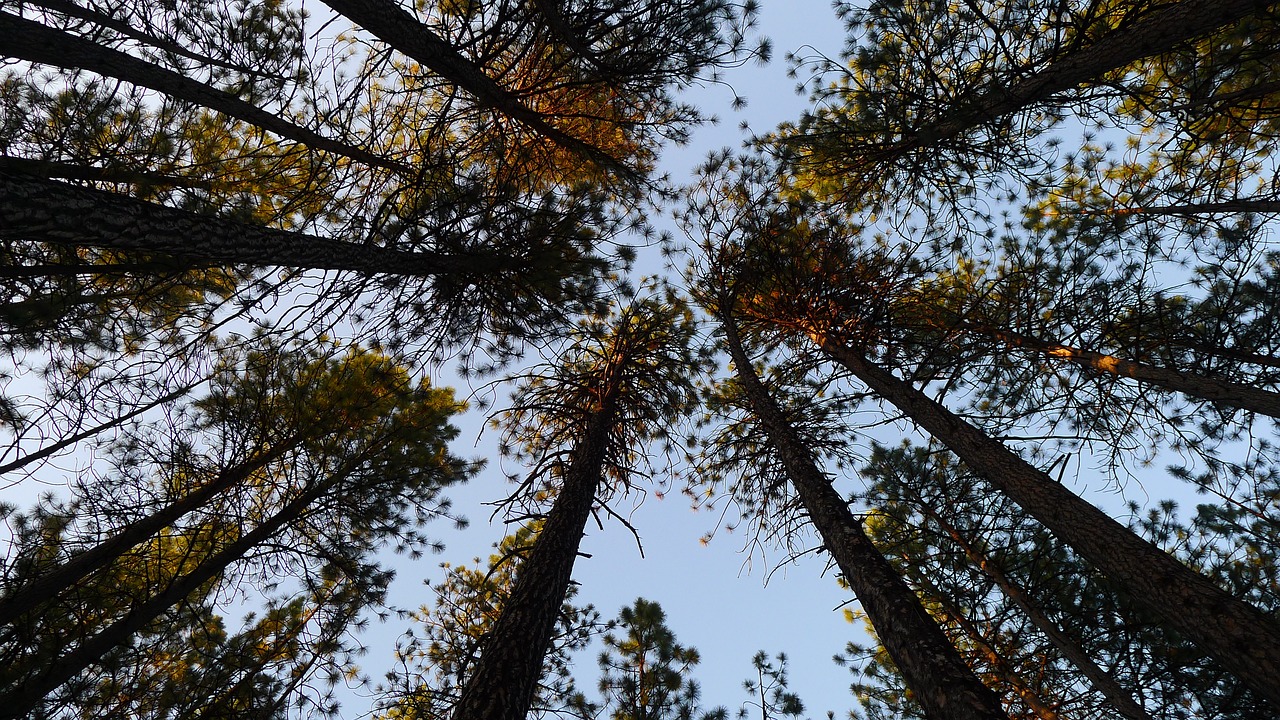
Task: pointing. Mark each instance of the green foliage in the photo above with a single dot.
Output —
(954, 184)
(947, 536)
(770, 697)
(357, 460)
(434, 664)
(937, 104)
(644, 675)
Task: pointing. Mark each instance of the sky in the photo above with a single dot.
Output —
(726, 603)
(716, 597)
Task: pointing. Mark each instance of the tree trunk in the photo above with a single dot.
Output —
(944, 685)
(1234, 394)
(1121, 700)
(31, 41)
(82, 564)
(1242, 638)
(396, 27)
(23, 697)
(40, 210)
(505, 678)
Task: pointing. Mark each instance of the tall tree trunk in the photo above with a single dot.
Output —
(944, 685)
(23, 696)
(41, 210)
(82, 564)
(395, 26)
(31, 41)
(1235, 394)
(505, 678)
(1120, 699)
(1242, 638)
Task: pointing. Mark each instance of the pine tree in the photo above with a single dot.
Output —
(768, 690)
(363, 465)
(930, 507)
(835, 304)
(726, 282)
(438, 660)
(939, 97)
(1025, 591)
(582, 425)
(644, 675)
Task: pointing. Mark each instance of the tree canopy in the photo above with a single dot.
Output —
(1012, 252)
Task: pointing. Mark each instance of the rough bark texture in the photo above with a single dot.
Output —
(1220, 391)
(41, 210)
(29, 40)
(1238, 635)
(26, 694)
(83, 564)
(1121, 700)
(502, 685)
(396, 27)
(944, 685)
(71, 9)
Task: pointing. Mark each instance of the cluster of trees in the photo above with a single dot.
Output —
(1034, 234)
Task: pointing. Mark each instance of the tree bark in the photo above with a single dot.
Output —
(943, 684)
(505, 678)
(41, 210)
(71, 9)
(29, 40)
(1245, 640)
(999, 663)
(82, 564)
(1238, 395)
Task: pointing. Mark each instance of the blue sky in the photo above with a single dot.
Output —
(715, 596)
